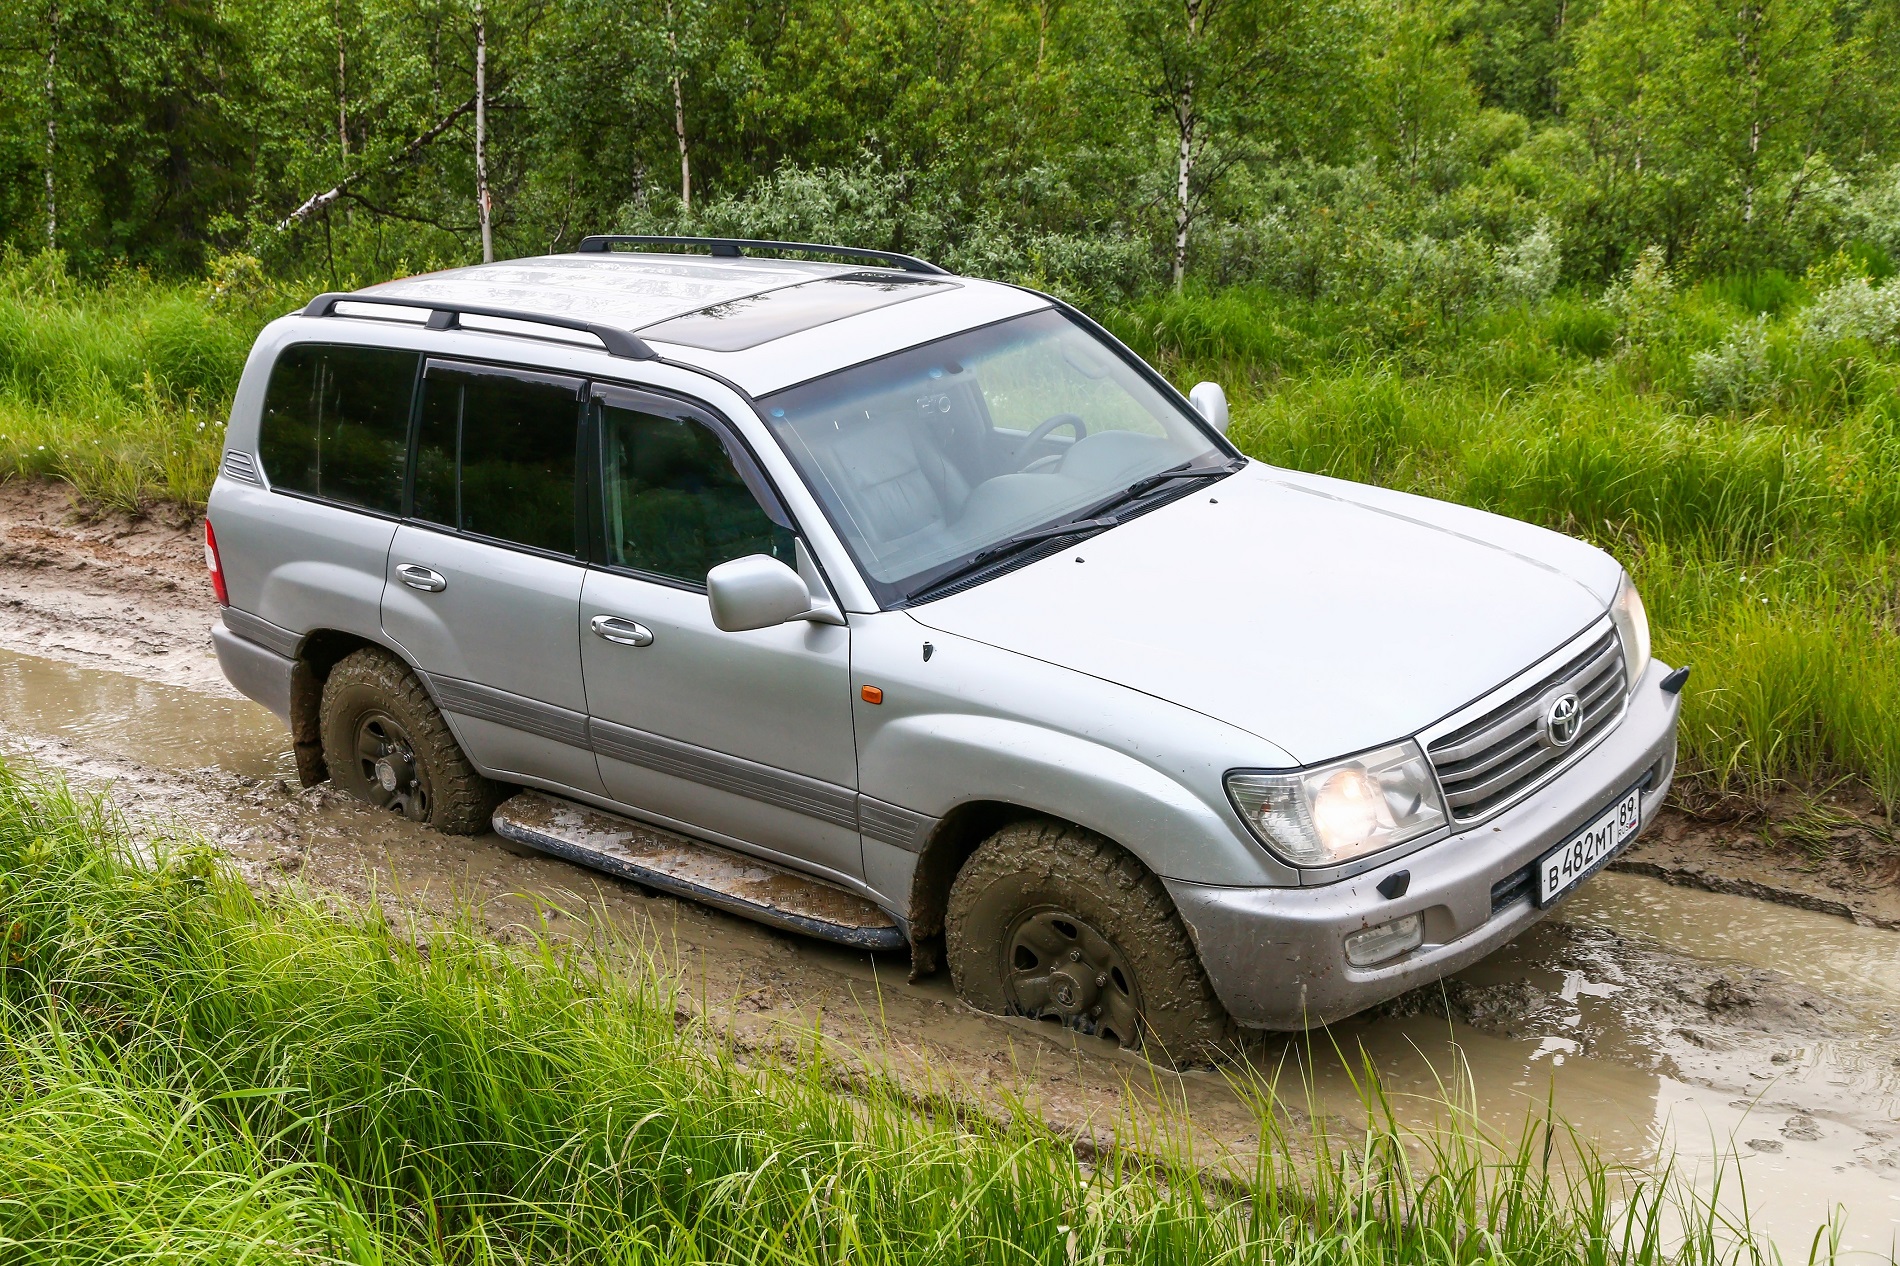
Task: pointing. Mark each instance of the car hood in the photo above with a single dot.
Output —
(1322, 616)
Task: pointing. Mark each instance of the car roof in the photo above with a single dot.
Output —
(762, 322)
(630, 291)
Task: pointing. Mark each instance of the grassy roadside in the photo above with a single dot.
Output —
(1737, 445)
(192, 1073)
(121, 388)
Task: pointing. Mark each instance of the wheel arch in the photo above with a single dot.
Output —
(949, 848)
(317, 653)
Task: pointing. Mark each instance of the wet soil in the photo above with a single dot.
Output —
(108, 591)
(1669, 1009)
(1837, 853)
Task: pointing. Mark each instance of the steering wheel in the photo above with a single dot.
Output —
(1042, 432)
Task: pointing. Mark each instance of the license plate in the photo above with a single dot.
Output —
(1568, 865)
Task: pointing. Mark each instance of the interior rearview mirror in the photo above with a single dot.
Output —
(1211, 402)
(755, 592)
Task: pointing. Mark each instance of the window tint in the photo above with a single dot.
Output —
(496, 456)
(336, 424)
(675, 505)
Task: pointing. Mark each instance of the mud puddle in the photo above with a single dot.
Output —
(1744, 1042)
(140, 720)
(1655, 1019)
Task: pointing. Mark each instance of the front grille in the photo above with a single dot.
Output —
(1486, 763)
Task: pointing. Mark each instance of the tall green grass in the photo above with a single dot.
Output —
(192, 1073)
(121, 388)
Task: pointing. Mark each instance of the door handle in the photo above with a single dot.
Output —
(625, 632)
(421, 578)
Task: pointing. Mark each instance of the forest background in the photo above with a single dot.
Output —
(1474, 148)
(1619, 267)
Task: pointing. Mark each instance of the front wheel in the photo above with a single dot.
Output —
(1057, 923)
(385, 743)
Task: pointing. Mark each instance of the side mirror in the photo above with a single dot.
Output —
(755, 592)
(1211, 401)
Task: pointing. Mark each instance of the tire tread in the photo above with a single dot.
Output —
(1182, 1016)
(461, 800)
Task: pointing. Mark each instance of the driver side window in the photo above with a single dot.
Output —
(675, 506)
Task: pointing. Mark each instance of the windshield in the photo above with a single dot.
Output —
(927, 457)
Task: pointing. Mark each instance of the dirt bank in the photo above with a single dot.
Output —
(106, 591)
(1836, 853)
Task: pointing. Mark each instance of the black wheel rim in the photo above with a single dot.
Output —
(1057, 967)
(386, 761)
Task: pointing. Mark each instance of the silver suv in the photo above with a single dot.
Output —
(906, 608)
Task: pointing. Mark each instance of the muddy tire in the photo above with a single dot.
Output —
(385, 743)
(1054, 922)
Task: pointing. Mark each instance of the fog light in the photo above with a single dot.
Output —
(1374, 945)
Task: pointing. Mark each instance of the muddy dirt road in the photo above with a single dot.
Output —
(1656, 1017)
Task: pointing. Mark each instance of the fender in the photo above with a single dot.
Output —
(971, 725)
(952, 760)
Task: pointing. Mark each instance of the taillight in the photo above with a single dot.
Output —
(217, 568)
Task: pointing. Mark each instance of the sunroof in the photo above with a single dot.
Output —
(737, 324)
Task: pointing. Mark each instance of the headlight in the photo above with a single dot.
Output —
(1350, 808)
(1632, 625)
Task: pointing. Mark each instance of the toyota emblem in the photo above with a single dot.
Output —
(1563, 720)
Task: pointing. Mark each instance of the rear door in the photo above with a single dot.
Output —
(742, 735)
(484, 579)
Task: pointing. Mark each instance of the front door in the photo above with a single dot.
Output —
(741, 735)
(484, 579)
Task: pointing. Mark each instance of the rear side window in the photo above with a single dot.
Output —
(675, 504)
(336, 424)
(496, 456)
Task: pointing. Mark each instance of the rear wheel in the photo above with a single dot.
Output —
(385, 743)
(1057, 923)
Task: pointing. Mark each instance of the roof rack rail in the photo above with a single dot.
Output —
(734, 247)
(448, 316)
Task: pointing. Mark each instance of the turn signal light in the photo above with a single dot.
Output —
(871, 694)
(217, 569)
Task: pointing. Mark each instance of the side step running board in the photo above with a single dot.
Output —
(703, 872)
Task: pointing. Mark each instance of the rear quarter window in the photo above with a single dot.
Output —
(336, 424)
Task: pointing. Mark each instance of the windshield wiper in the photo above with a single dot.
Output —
(1144, 486)
(990, 553)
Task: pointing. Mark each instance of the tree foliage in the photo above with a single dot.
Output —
(1087, 142)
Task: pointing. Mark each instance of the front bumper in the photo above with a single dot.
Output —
(1277, 958)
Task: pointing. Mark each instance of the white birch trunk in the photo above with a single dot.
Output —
(483, 204)
(1184, 168)
(52, 126)
(1187, 124)
(342, 90)
(679, 131)
(679, 115)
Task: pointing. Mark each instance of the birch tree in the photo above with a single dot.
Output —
(484, 204)
(1711, 119)
(52, 125)
(1232, 80)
